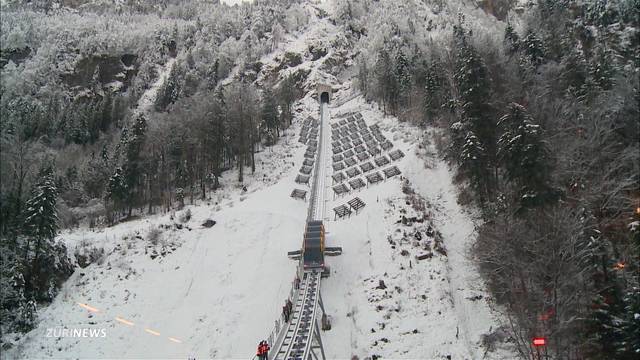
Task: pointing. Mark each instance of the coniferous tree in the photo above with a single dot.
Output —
(533, 49)
(601, 12)
(287, 94)
(363, 76)
(117, 190)
(604, 323)
(132, 166)
(387, 84)
(170, 89)
(402, 75)
(433, 90)
(472, 81)
(523, 153)
(26, 313)
(575, 73)
(602, 69)
(41, 224)
(511, 39)
(629, 330)
(473, 159)
(217, 131)
(96, 174)
(270, 116)
(471, 76)
(41, 217)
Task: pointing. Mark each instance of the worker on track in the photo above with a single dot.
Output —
(260, 352)
(263, 350)
(284, 313)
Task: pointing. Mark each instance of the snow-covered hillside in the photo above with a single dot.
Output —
(218, 290)
(169, 287)
(382, 299)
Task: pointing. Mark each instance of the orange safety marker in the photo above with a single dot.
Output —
(126, 322)
(92, 309)
(129, 323)
(152, 332)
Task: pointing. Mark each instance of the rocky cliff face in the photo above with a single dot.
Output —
(115, 72)
(498, 8)
(15, 55)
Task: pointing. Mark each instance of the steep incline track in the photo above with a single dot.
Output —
(296, 339)
(320, 177)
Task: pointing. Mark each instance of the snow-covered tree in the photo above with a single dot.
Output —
(434, 89)
(132, 163)
(96, 173)
(604, 323)
(387, 84)
(41, 216)
(44, 260)
(473, 158)
(628, 330)
(363, 75)
(287, 93)
(270, 113)
(511, 39)
(277, 35)
(601, 12)
(602, 69)
(117, 190)
(533, 48)
(26, 314)
(402, 75)
(521, 149)
(471, 75)
(575, 73)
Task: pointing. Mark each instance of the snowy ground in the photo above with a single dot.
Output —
(215, 290)
(430, 308)
(147, 100)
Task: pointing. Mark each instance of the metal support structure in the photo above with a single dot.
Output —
(319, 341)
(302, 335)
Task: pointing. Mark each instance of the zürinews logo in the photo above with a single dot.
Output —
(76, 333)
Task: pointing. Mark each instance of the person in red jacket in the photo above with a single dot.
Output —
(265, 350)
(260, 350)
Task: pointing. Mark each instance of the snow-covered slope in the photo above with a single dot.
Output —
(217, 292)
(427, 308)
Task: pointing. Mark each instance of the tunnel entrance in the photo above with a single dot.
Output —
(324, 97)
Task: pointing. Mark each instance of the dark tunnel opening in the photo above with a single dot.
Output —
(324, 97)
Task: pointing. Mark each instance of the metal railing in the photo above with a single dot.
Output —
(279, 328)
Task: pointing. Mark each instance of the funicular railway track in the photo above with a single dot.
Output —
(300, 338)
(297, 341)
